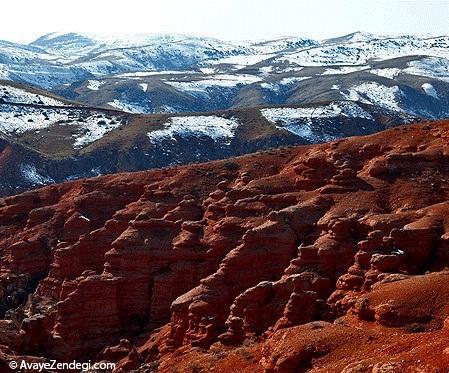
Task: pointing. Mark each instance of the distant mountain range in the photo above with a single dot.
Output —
(174, 73)
(75, 105)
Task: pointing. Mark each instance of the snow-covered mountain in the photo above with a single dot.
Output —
(82, 116)
(67, 57)
(175, 73)
(73, 45)
(56, 59)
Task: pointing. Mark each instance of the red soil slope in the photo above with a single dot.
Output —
(326, 258)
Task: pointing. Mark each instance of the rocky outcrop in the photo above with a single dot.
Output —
(152, 269)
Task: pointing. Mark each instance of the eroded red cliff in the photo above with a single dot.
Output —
(326, 258)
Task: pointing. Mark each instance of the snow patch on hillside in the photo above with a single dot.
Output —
(94, 85)
(277, 86)
(293, 79)
(430, 90)
(4, 74)
(332, 110)
(21, 96)
(215, 127)
(266, 70)
(344, 70)
(295, 121)
(359, 36)
(376, 94)
(93, 129)
(389, 73)
(87, 127)
(299, 121)
(14, 121)
(223, 81)
(30, 174)
(128, 107)
(208, 70)
(142, 74)
(242, 60)
(437, 68)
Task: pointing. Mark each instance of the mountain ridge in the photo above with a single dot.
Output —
(61, 140)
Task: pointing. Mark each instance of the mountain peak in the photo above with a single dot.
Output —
(353, 37)
(59, 37)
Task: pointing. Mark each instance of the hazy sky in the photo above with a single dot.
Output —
(23, 21)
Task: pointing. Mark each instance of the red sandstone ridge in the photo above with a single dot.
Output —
(326, 258)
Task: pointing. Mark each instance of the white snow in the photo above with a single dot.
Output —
(334, 109)
(293, 120)
(94, 85)
(389, 73)
(88, 127)
(243, 60)
(266, 70)
(361, 51)
(375, 93)
(344, 70)
(360, 36)
(141, 74)
(208, 70)
(14, 121)
(271, 86)
(299, 120)
(293, 79)
(215, 127)
(224, 81)
(292, 69)
(276, 86)
(127, 107)
(134, 51)
(280, 44)
(21, 96)
(60, 58)
(437, 68)
(4, 74)
(93, 129)
(30, 174)
(430, 90)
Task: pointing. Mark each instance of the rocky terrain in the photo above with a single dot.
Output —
(46, 139)
(318, 258)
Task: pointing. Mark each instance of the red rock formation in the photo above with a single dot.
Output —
(300, 258)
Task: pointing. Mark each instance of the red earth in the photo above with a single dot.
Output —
(323, 258)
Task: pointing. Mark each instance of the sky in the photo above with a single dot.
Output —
(23, 21)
